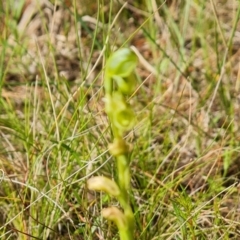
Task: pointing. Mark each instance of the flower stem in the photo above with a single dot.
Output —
(124, 185)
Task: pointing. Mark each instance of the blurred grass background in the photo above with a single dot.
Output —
(54, 132)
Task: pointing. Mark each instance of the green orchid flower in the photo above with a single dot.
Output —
(123, 117)
(119, 67)
(119, 81)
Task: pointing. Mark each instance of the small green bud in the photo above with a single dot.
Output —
(115, 215)
(103, 184)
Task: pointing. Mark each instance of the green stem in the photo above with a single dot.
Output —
(124, 184)
(126, 234)
(108, 85)
(123, 172)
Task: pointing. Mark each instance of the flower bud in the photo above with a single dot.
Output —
(115, 215)
(103, 184)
